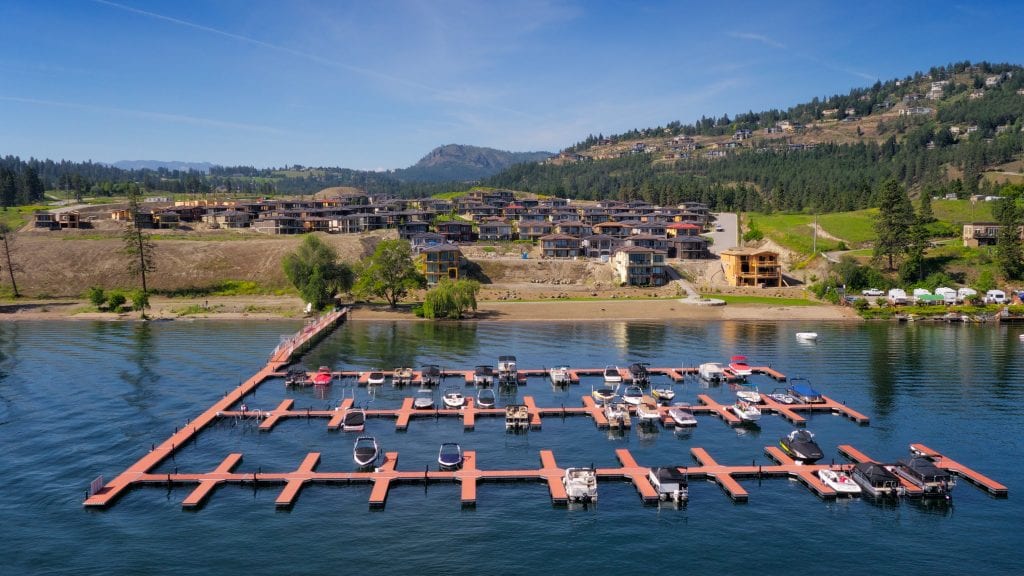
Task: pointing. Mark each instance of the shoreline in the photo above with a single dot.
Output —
(290, 308)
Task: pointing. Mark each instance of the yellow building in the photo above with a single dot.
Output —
(751, 267)
(441, 261)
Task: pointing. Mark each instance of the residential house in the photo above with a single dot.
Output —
(647, 241)
(680, 229)
(441, 261)
(276, 224)
(533, 230)
(455, 230)
(613, 229)
(411, 228)
(751, 267)
(46, 220)
(688, 247)
(599, 245)
(69, 219)
(423, 240)
(983, 234)
(230, 218)
(495, 229)
(637, 266)
(167, 219)
(560, 246)
(572, 228)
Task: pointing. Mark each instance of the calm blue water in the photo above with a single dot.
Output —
(82, 399)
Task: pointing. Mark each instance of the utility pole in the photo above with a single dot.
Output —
(814, 239)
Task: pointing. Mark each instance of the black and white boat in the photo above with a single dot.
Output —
(638, 374)
(508, 374)
(375, 378)
(424, 399)
(633, 395)
(605, 393)
(922, 472)
(354, 420)
(483, 375)
(682, 416)
(485, 398)
(431, 375)
(296, 376)
(450, 456)
(800, 445)
(876, 480)
(453, 398)
(670, 483)
(365, 451)
(612, 375)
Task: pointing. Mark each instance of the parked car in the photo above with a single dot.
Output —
(873, 292)
(719, 228)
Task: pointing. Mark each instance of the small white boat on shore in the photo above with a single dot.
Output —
(807, 336)
(839, 481)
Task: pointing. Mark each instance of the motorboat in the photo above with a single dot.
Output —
(839, 481)
(729, 376)
(748, 394)
(430, 375)
(663, 394)
(638, 373)
(517, 417)
(296, 376)
(605, 394)
(710, 372)
(647, 413)
(922, 472)
(507, 371)
(746, 411)
(559, 375)
(738, 365)
(483, 375)
(779, 395)
(375, 378)
(485, 398)
(365, 451)
(354, 420)
(424, 399)
(612, 375)
(323, 376)
(633, 395)
(401, 376)
(876, 480)
(807, 336)
(802, 390)
(681, 415)
(617, 414)
(453, 398)
(449, 457)
(800, 445)
(670, 483)
(580, 484)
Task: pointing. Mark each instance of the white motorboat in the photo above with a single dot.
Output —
(633, 395)
(580, 484)
(612, 375)
(453, 398)
(449, 457)
(647, 413)
(682, 416)
(617, 414)
(779, 395)
(807, 336)
(748, 394)
(746, 411)
(710, 372)
(424, 399)
(839, 481)
(507, 370)
(354, 420)
(663, 394)
(739, 366)
(365, 451)
(485, 398)
(375, 378)
(559, 375)
(670, 483)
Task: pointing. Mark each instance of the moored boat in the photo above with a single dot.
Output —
(710, 372)
(424, 399)
(800, 445)
(738, 365)
(923, 473)
(483, 375)
(430, 375)
(354, 420)
(839, 481)
(802, 390)
(663, 394)
(580, 484)
(401, 376)
(670, 483)
(682, 416)
(876, 480)
(807, 336)
(779, 395)
(617, 414)
(296, 376)
(365, 451)
(375, 378)
(449, 456)
(323, 376)
(453, 398)
(485, 398)
(633, 395)
(612, 375)
(605, 393)
(746, 411)
(508, 373)
(559, 375)
(638, 373)
(748, 394)
(647, 413)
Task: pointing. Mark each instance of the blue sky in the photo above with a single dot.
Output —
(378, 84)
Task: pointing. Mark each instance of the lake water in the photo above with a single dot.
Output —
(81, 399)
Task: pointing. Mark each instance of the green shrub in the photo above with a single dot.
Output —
(97, 296)
(140, 300)
(116, 300)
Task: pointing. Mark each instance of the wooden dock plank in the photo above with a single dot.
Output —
(811, 480)
(336, 419)
(468, 477)
(382, 480)
(976, 478)
(197, 497)
(404, 414)
(845, 410)
(276, 414)
(553, 475)
(776, 453)
(286, 499)
(531, 406)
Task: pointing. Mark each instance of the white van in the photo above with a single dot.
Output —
(995, 297)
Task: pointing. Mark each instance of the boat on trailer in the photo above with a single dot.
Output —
(354, 420)
(485, 398)
(424, 399)
(739, 366)
(839, 481)
(508, 373)
(670, 483)
(323, 376)
(296, 376)
(800, 445)
(449, 457)
(402, 376)
(365, 451)
(431, 375)
(682, 416)
(559, 375)
(639, 374)
(876, 480)
(453, 398)
(580, 484)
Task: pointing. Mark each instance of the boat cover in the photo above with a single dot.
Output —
(924, 469)
(805, 390)
(876, 474)
(669, 475)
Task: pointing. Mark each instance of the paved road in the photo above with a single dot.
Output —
(729, 237)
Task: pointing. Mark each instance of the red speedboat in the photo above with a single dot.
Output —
(738, 365)
(323, 376)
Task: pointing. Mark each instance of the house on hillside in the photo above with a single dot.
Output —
(983, 234)
(688, 247)
(532, 231)
(441, 261)
(495, 229)
(455, 231)
(45, 220)
(681, 229)
(560, 246)
(599, 245)
(752, 267)
(424, 239)
(635, 266)
(274, 224)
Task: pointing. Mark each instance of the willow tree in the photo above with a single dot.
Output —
(451, 299)
(315, 271)
(138, 247)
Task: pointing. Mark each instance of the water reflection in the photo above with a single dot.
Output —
(143, 357)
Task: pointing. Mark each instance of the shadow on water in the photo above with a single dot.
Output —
(143, 357)
(881, 370)
(393, 344)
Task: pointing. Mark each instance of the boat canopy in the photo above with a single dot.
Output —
(804, 390)
(669, 475)
(876, 474)
(923, 468)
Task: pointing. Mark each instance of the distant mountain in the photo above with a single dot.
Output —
(456, 162)
(157, 164)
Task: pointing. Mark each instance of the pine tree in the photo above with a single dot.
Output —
(895, 218)
(6, 240)
(1009, 249)
(138, 246)
(924, 209)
